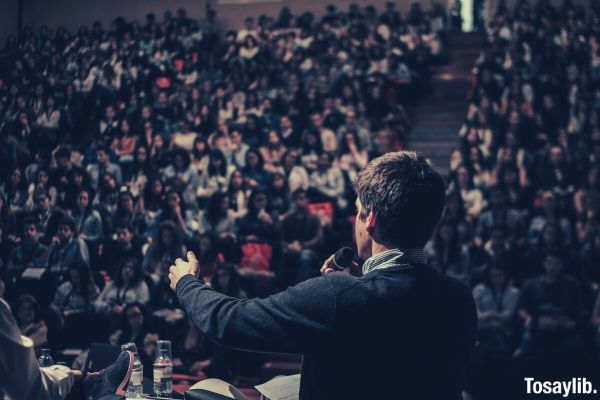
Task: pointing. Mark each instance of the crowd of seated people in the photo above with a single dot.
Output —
(124, 147)
(522, 222)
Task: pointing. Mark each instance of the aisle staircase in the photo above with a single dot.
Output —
(438, 116)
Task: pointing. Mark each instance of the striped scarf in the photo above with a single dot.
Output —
(394, 258)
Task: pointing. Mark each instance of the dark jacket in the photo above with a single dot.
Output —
(393, 333)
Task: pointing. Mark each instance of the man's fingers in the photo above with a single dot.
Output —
(326, 264)
(328, 271)
(193, 262)
(191, 257)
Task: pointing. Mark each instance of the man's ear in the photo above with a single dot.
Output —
(371, 223)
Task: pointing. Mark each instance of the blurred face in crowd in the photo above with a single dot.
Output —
(324, 161)
(31, 233)
(157, 187)
(43, 202)
(252, 159)
(463, 177)
(446, 232)
(124, 236)
(127, 272)
(556, 155)
(75, 277)
(110, 113)
(15, 177)
(135, 318)
(83, 200)
(223, 278)
(173, 200)
(553, 266)
(146, 112)
(285, 123)
(260, 201)
(141, 155)
(109, 182)
(126, 203)
(316, 120)
(278, 181)
(237, 179)
(225, 204)
(235, 136)
(102, 156)
(166, 236)
(65, 233)
(273, 138)
(550, 235)
(26, 313)
(497, 277)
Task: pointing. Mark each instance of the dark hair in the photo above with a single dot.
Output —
(217, 154)
(137, 272)
(233, 289)
(406, 195)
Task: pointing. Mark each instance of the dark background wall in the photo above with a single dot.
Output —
(73, 13)
(8, 18)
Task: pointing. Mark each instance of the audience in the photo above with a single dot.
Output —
(125, 146)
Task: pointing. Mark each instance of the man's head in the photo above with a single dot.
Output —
(400, 199)
(30, 231)
(124, 235)
(66, 228)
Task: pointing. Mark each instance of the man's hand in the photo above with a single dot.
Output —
(327, 267)
(182, 268)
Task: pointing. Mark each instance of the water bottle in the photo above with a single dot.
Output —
(163, 369)
(45, 359)
(135, 387)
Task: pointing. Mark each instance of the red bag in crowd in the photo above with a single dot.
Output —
(163, 82)
(324, 209)
(257, 256)
(179, 65)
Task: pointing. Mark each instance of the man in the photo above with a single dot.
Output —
(402, 330)
(67, 250)
(29, 253)
(22, 378)
(103, 165)
(302, 235)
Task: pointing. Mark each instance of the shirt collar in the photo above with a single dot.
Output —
(394, 258)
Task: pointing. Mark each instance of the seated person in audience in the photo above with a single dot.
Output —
(218, 219)
(302, 236)
(166, 243)
(549, 214)
(127, 287)
(496, 300)
(126, 246)
(327, 182)
(103, 166)
(500, 214)
(29, 253)
(30, 320)
(77, 294)
(66, 250)
(88, 221)
(550, 308)
(448, 253)
(227, 281)
(134, 328)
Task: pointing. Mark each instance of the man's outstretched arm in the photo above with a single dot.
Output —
(297, 320)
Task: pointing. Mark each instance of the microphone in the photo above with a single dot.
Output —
(343, 258)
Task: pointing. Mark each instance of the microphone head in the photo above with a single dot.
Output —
(343, 258)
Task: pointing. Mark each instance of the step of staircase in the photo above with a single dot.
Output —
(439, 115)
